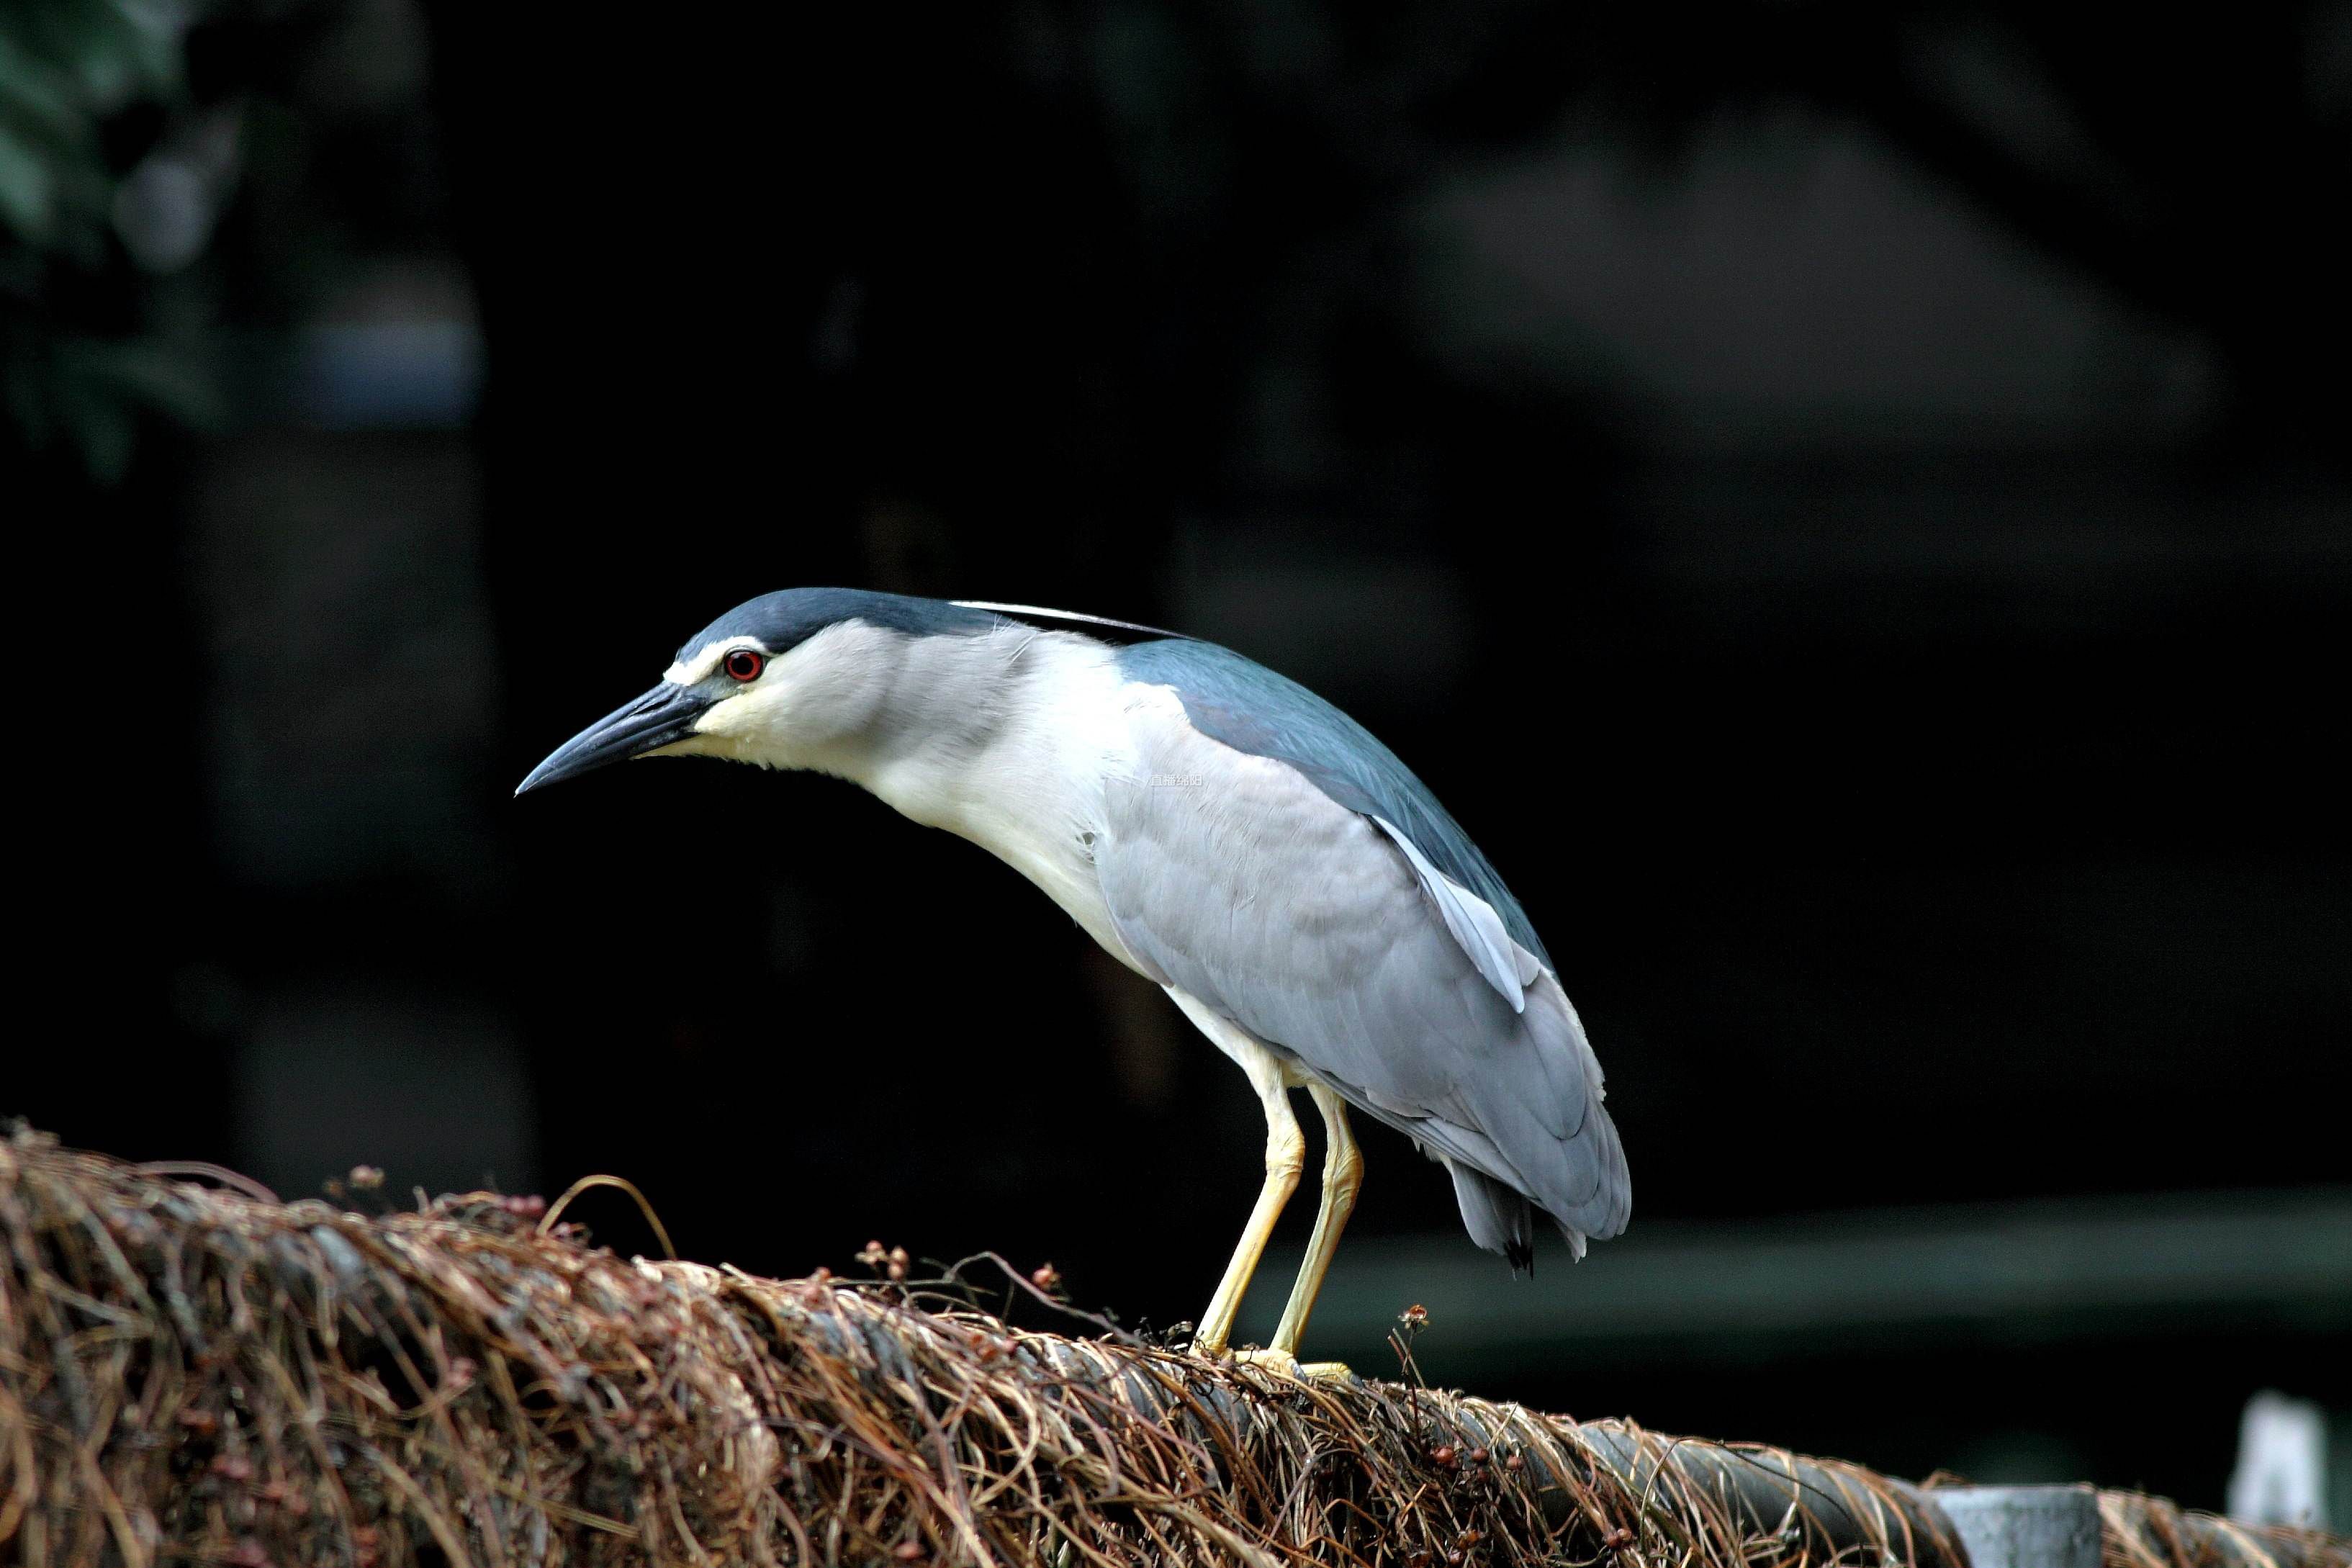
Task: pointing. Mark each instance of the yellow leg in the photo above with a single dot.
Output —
(1343, 1176)
(1285, 1156)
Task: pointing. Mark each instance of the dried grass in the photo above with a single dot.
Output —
(188, 1373)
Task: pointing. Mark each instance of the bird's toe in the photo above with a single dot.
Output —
(1282, 1363)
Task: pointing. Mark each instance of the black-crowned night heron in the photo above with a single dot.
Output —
(1225, 832)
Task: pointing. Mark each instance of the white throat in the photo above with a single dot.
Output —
(1008, 737)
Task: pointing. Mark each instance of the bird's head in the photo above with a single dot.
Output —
(793, 679)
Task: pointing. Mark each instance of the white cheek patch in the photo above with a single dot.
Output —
(743, 714)
(687, 671)
(795, 710)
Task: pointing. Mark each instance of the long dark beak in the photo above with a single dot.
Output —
(665, 713)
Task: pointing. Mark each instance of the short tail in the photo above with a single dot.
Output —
(1498, 1218)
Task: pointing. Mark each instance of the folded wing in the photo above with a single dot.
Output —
(1335, 936)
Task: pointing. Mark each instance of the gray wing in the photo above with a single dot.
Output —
(1328, 935)
(1257, 712)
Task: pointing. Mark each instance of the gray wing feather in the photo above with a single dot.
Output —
(1507, 966)
(1323, 933)
(1263, 714)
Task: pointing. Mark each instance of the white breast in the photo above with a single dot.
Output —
(1029, 785)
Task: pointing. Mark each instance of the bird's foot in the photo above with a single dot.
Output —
(1282, 1363)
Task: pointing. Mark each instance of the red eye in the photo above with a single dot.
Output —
(745, 664)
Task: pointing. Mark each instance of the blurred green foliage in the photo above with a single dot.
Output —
(88, 90)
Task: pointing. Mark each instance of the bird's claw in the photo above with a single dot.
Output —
(1282, 1363)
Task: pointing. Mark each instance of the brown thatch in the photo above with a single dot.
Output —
(188, 1373)
(2139, 1531)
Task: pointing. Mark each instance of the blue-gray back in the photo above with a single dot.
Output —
(1250, 707)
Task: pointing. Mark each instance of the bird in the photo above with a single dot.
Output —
(1296, 891)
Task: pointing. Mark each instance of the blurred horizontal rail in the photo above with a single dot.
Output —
(2033, 1273)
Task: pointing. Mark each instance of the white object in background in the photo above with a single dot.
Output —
(2282, 1474)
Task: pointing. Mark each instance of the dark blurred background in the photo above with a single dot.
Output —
(1850, 504)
